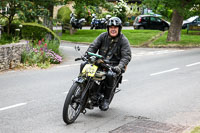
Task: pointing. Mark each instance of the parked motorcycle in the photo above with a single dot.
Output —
(98, 23)
(76, 23)
(87, 89)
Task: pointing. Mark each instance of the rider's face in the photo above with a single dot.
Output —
(113, 31)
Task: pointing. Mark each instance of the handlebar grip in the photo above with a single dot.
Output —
(77, 59)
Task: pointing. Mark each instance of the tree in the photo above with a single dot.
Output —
(48, 5)
(180, 9)
(83, 6)
(12, 8)
(28, 10)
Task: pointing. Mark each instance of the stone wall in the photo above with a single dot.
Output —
(10, 55)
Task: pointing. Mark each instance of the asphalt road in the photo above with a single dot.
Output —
(160, 85)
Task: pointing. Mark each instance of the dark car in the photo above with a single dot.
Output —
(150, 22)
(195, 20)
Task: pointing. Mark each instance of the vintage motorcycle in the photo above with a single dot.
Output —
(76, 23)
(87, 89)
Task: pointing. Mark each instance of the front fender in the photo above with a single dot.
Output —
(79, 80)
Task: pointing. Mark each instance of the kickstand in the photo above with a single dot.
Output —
(117, 90)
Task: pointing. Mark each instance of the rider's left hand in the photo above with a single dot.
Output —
(117, 69)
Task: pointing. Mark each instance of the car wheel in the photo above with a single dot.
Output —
(141, 27)
(166, 28)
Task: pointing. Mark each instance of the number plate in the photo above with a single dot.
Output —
(90, 70)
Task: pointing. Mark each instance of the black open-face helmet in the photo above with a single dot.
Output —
(114, 21)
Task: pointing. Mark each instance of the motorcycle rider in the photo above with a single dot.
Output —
(115, 47)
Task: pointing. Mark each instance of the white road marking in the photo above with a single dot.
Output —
(12, 106)
(66, 92)
(62, 66)
(193, 64)
(166, 71)
(125, 80)
(67, 47)
(155, 52)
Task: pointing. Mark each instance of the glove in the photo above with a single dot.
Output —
(117, 69)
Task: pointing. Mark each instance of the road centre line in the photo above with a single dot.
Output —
(12, 106)
(166, 71)
(193, 64)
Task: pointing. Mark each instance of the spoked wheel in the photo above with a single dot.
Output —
(72, 106)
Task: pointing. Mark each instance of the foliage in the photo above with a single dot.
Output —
(186, 8)
(6, 39)
(180, 10)
(120, 10)
(109, 6)
(134, 11)
(85, 8)
(37, 32)
(64, 14)
(39, 54)
(28, 10)
(3, 21)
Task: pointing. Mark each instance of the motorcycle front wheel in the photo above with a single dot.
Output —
(72, 106)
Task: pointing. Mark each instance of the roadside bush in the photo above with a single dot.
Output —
(64, 14)
(33, 31)
(39, 54)
(5, 39)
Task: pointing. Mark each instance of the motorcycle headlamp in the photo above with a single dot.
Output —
(92, 59)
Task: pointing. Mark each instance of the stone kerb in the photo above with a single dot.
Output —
(10, 55)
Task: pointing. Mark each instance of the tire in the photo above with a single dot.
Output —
(141, 28)
(72, 102)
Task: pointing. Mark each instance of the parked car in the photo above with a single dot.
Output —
(195, 20)
(150, 22)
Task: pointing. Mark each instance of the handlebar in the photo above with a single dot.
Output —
(105, 63)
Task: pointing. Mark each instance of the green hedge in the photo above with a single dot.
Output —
(33, 31)
(64, 14)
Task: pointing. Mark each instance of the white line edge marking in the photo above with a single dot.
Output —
(66, 92)
(62, 66)
(125, 80)
(12, 106)
(189, 65)
(166, 71)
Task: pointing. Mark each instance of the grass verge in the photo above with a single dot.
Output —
(135, 37)
(196, 130)
(187, 40)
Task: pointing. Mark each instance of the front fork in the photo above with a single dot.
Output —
(85, 90)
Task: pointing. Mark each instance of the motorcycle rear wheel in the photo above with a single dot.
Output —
(72, 106)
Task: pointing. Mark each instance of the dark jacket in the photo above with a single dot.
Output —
(115, 50)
